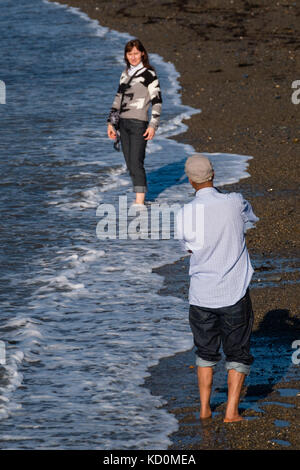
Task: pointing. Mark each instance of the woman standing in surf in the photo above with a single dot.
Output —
(138, 89)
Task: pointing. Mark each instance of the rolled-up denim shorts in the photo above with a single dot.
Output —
(230, 326)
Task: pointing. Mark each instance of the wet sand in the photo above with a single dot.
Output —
(237, 60)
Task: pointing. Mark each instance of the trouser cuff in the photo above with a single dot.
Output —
(239, 367)
(140, 189)
(204, 363)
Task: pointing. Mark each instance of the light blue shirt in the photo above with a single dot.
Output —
(212, 226)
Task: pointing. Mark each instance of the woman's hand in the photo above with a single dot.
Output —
(111, 132)
(149, 134)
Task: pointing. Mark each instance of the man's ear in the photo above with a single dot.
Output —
(191, 182)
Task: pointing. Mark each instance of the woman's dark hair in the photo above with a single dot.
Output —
(137, 43)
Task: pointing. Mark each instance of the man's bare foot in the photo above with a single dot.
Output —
(205, 414)
(234, 419)
(205, 418)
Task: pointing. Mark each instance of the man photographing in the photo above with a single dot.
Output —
(220, 273)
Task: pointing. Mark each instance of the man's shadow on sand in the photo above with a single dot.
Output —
(271, 346)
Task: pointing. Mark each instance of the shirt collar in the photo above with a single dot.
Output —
(134, 69)
(203, 191)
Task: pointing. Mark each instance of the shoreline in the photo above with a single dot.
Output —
(245, 59)
(246, 105)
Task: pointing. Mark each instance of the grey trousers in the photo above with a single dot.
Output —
(134, 149)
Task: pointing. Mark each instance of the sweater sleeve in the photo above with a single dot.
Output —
(117, 100)
(156, 100)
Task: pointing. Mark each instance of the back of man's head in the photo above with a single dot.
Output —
(199, 169)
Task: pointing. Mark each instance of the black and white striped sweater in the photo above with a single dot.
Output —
(143, 90)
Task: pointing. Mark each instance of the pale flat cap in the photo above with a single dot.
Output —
(199, 168)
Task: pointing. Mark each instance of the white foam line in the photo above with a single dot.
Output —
(94, 24)
(27, 334)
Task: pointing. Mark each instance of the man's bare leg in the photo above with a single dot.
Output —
(235, 384)
(205, 380)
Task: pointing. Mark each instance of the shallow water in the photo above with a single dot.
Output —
(288, 392)
(282, 442)
(281, 423)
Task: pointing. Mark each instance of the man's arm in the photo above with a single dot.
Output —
(179, 235)
(247, 212)
(190, 227)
